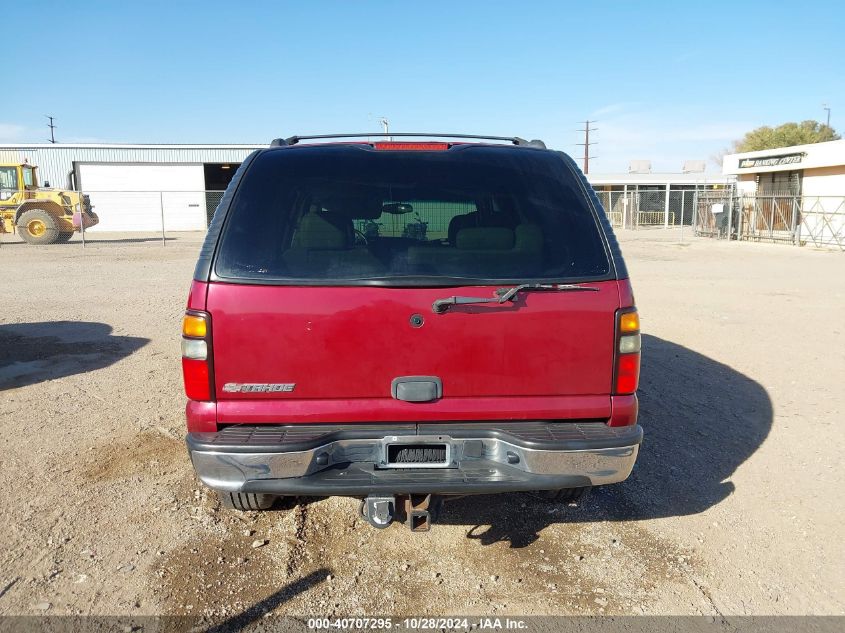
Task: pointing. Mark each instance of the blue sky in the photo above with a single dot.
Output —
(666, 81)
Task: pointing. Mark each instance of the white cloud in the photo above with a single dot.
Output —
(662, 138)
(612, 108)
(685, 57)
(633, 131)
(11, 133)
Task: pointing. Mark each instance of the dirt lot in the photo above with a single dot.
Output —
(735, 506)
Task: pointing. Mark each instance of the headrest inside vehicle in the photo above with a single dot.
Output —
(485, 239)
(319, 231)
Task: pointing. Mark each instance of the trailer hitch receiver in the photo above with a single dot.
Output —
(379, 511)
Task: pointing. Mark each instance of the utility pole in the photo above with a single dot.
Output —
(587, 129)
(386, 125)
(827, 107)
(52, 127)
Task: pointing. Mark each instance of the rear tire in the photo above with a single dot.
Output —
(564, 495)
(246, 501)
(64, 236)
(37, 226)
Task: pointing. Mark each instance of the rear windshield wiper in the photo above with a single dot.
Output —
(503, 295)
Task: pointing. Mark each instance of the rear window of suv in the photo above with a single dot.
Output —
(352, 214)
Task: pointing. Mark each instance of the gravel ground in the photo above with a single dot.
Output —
(735, 505)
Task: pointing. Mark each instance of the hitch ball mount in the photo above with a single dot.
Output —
(416, 511)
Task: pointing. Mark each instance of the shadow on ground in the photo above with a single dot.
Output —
(269, 604)
(701, 418)
(31, 353)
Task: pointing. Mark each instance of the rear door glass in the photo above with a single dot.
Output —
(350, 214)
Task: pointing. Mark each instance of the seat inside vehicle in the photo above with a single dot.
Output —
(498, 250)
(324, 243)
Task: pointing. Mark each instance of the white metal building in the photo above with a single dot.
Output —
(133, 186)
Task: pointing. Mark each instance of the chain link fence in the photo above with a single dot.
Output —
(720, 213)
(149, 216)
(648, 208)
(775, 217)
(725, 213)
(137, 216)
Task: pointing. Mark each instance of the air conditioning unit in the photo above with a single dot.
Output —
(694, 167)
(639, 167)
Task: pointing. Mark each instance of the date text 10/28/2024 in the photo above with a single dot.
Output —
(418, 624)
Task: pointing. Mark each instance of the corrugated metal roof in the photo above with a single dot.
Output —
(133, 145)
(56, 161)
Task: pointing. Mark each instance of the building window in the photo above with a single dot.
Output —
(780, 183)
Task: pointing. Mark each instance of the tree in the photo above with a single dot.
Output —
(785, 135)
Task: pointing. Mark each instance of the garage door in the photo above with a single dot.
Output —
(131, 197)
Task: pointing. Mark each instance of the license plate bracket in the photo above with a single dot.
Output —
(416, 453)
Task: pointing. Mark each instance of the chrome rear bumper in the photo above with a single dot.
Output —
(352, 460)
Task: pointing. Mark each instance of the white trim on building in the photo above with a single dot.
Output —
(817, 169)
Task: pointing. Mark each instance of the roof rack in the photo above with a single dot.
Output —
(293, 140)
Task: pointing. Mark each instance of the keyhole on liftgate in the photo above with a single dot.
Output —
(417, 320)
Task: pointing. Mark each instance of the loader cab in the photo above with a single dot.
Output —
(15, 178)
(10, 181)
(28, 177)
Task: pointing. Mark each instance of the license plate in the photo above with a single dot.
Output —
(417, 455)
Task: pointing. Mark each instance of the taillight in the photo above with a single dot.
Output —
(626, 372)
(196, 355)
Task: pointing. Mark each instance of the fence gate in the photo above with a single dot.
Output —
(772, 217)
(714, 212)
(786, 217)
(821, 222)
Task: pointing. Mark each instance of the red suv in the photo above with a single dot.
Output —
(405, 321)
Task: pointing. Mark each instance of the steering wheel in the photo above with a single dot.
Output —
(362, 236)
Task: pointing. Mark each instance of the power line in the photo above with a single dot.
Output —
(587, 129)
(52, 128)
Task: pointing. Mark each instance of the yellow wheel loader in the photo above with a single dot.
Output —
(42, 216)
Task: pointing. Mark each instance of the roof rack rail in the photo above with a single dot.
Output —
(293, 140)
